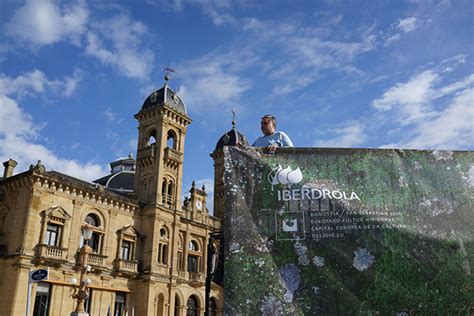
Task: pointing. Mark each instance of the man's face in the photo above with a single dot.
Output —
(267, 126)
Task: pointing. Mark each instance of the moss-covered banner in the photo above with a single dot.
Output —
(349, 232)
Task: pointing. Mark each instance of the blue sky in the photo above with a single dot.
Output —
(335, 73)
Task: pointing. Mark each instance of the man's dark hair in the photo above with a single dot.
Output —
(271, 117)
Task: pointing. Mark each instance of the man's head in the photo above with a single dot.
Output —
(268, 124)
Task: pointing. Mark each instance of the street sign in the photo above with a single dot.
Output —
(39, 275)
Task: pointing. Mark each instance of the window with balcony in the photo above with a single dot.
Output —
(171, 140)
(97, 235)
(54, 224)
(193, 257)
(167, 191)
(53, 235)
(163, 246)
(126, 251)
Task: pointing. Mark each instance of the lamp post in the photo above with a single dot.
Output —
(81, 294)
(212, 266)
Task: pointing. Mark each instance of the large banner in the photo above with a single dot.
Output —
(349, 232)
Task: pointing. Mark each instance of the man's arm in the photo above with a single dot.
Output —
(285, 140)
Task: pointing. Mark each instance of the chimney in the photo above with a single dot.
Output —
(9, 166)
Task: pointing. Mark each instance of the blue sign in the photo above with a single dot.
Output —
(38, 275)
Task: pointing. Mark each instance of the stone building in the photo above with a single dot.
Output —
(148, 250)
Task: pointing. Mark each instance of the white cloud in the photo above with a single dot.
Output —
(215, 9)
(411, 98)
(440, 115)
(402, 26)
(452, 128)
(18, 132)
(36, 82)
(111, 116)
(118, 42)
(350, 135)
(17, 142)
(294, 55)
(212, 81)
(407, 25)
(43, 22)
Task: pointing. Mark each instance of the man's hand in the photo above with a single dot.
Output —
(272, 148)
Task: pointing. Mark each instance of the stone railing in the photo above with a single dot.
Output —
(52, 252)
(196, 277)
(125, 265)
(214, 222)
(173, 155)
(96, 259)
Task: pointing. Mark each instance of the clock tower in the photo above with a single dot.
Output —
(197, 202)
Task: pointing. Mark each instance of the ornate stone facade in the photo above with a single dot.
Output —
(149, 251)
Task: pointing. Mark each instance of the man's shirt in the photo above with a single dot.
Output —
(279, 138)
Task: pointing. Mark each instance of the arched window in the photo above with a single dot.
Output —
(161, 304)
(163, 246)
(176, 305)
(167, 191)
(171, 140)
(151, 138)
(212, 307)
(164, 190)
(193, 246)
(180, 253)
(193, 257)
(96, 239)
(192, 307)
(93, 219)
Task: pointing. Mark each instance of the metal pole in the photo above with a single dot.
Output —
(28, 300)
(210, 253)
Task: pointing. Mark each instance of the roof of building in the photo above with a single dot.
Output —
(164, 96)
(232, 138)
(121, 177)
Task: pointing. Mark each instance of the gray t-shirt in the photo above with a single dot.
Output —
(280, 138)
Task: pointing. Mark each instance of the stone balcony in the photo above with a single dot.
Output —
(51, 252)
(196, 278)
(127, 266)
(96, 259)
(173, 156)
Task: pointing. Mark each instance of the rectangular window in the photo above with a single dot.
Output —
(88, 302)
(52, 235)
(192, 264)
(126, 250)
(119, 306)
(43, 294)
(180, 260)
(95, 242)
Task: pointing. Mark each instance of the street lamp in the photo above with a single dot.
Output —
(212, 265)
(81, 294)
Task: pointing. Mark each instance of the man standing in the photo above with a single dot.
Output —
(271, 138)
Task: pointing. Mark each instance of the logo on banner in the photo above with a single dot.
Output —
(278, 175)
(287, 176)
(290, 225)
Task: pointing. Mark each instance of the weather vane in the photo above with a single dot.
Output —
(233, 119)
(168, 71)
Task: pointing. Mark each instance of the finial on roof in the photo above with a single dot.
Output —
(233, 120)
(130, 155)
(168, 71)
(204, 188)
(193, 184)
